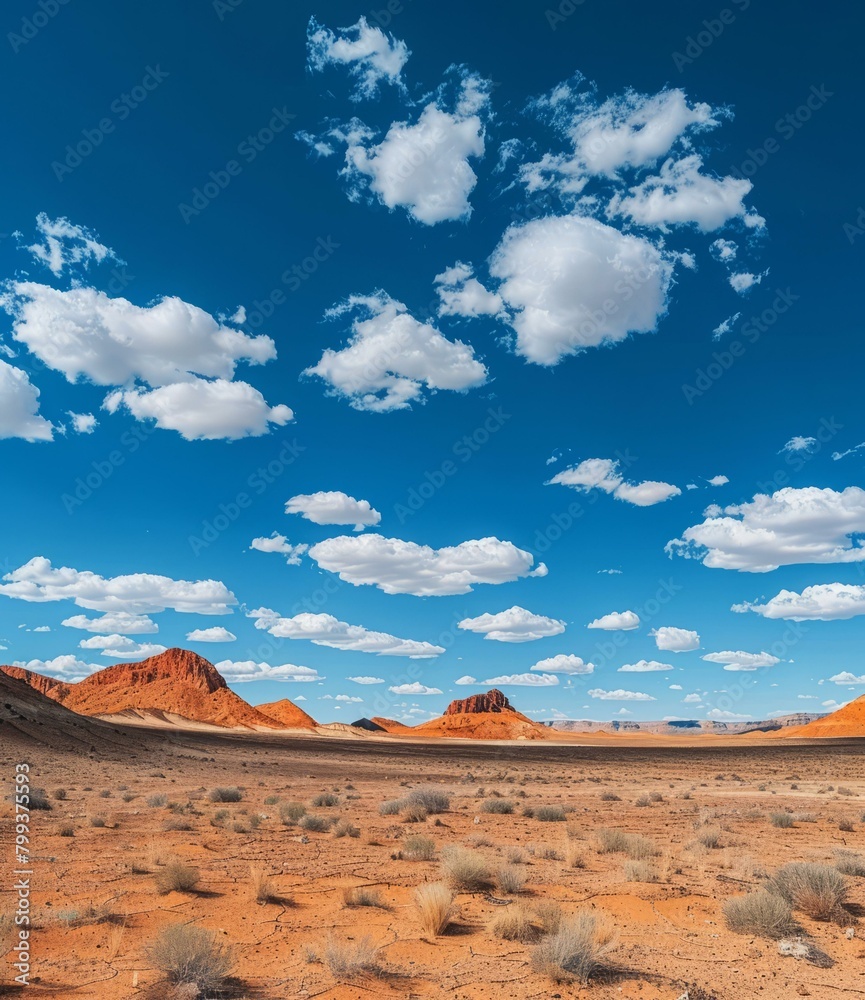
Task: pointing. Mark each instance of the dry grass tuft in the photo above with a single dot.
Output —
(761, 913)
(177, 876)
(434, 800)
(577, 950)
(188, 954)
(261, 887)
(418, 848)
(434, 903)
(816, 890)
(226, 795)
(513, 923)
(510, 879)
(465, 870)
(362, 896)
(351, 959)
(550, 814)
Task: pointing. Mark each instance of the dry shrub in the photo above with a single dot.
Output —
(814, 889)
(550, 814)
(66, 830)
(783, 820)
(639, 871)
(188, 954)
(226, 795)
(499, 806)
(316, 824)
(574, 856)
(760, 913)
(434, 903)
(577, 950)
(345, 829)
(326, 800)
(391, 807)
(260, 886)
(434, 800)
(510, 879)
(710, 837)
(418, 848)
(465, 870)
(291, 813)
(362, 896)
(850, 863)
(415, 813)
(351, 959)
(637, 847)
(177, 876)
(513, 923)
(549, 915)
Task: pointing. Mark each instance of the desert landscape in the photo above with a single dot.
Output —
(178, 857)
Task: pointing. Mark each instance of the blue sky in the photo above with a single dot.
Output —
(545, 308)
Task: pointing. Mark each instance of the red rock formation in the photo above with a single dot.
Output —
(287, 714)
(492, 701)
(49, 686)
(846, 721)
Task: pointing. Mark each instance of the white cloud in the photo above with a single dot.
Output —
(617, 621)
(645, 667)
(619, 695)
(524, 680)
(461, 294)
(628, 130)
(215, 634)
(675, 687)
(414, 688)
(120, 647)
(725, 327)
(84, 333)
(421, 167)
(845, 677)
(514, 625)
(675, 640)
(807, 525)
(137, 593)
(744, 281)
(83, 423)
(366, 680)
(325, 630)
(720, 715)
(392, 359)
(65, 245)
(19, 407)
(603, 474)
(116, 621)
(279, 543)
(42, 628)
(67, 667)
(573, 283)
(800, 443)
(740, 660)
(564, 663)
(838, 455)
(692, 699)
(238, 671)
(203, 411)
(371, 56)
(724, 250)
(333, 508)
(824, 602)
(466, 679)
(349, 698)
(681, 194)
(399, 567)
(718, 481)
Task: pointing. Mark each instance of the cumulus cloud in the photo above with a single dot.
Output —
(845, 677)
(121, 647)
(514, 625)
(739, 660)
(744, 281)
(399, 567)
(64, 245)
(279, 543)
(19, 407)
(366, 680)
(203, 411)
(824, 602)
(627, 130)
(461, 294)
(422, 167)
(721, 715)
(692, 699)
(325, 630)
(115, 621)
(83, 423)
(724, 250)
(564, 663)
(645, 667)
(809, 525)
(392, 359)
(369, 55)
(675, 640)
(414, 688)
(466, 679)
(348, 698)
(238, 671)
(617, 621)
(718, 481)
(572, 283)
(682, 194)
(66, 667)
(620, 695)
(333, 508)
(215, 634)
(524, 680)
(603, 474)
(137, 593)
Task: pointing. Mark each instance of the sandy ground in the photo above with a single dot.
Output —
(97, 908)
